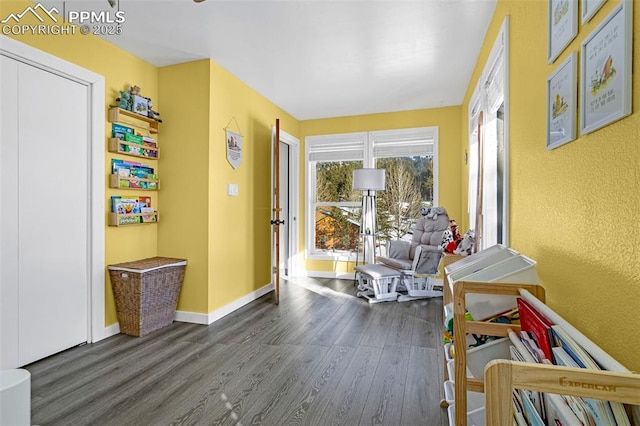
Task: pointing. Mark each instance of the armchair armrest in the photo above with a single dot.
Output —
(397, 249)
(429, 259)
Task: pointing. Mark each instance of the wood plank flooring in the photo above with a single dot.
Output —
(321, 357)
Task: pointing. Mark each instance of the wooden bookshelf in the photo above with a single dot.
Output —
(118, 146)
(116, 219)
(462, 327)
(115, 181)
(501, 377)
(119, 115)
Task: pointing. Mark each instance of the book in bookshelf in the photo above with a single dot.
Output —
(533, 321)
(571, 354)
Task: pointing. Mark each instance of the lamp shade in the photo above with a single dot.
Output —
(368, 179)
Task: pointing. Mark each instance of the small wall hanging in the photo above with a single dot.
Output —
(234, 144)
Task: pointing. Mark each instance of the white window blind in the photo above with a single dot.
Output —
(341, 147)
(405, 142)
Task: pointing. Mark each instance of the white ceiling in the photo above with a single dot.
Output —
(318, 59)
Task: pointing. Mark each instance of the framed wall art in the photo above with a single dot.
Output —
(590, 8)
(562, 103)
(605, 70)
(562, 26)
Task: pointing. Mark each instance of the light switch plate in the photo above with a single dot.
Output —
(232, 189)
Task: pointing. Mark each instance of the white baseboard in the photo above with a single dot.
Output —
(211, 317)
(191, 317)
(198, 318)
(323, 274)
(110, 330)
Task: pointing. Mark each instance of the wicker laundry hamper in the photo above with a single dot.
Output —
(146, 293)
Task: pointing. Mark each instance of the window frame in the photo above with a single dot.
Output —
(314, 147)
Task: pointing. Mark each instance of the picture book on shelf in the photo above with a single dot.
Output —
(148, 218)
(124, 205)
(118, 131)
(533, 321)
(520, 353)
(144, 202)
(572, 354)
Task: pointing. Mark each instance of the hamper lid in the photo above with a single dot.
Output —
(149, 264)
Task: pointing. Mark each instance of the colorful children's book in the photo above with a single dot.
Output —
(599, 410)
(144, 202)
(126, 205)
(115, 199)
(533, 321)
(118, 130)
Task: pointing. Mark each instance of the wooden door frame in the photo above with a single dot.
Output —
(96, 148)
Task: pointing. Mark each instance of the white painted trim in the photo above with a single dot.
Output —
(111, 330)
(294, 200)
(211, 317)
(332, 275)
(191, 317)
(507, 173)
(96, 88)
(205, 319)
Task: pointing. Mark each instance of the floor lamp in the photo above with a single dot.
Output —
(368, 181)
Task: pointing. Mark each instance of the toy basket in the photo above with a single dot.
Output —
(146, 293)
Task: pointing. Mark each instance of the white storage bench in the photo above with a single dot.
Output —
(377, 282)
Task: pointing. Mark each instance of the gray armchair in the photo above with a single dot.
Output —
(422, 255)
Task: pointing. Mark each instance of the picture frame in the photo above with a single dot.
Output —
(562, 103)
(590, 8)
(605, 70)
(562, 24)
(140, 105)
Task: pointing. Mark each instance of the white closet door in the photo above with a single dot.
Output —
(8, 213)
(53, 208)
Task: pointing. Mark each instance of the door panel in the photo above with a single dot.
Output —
(8, 212)
(53, 208)
(284, 206)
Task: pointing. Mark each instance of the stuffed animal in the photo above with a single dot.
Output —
(434, 212)
(125, 101)
(465, 248)
(424, 211)
(150, 112)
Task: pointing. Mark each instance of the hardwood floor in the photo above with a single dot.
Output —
(321, 357)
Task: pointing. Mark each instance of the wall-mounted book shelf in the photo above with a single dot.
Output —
(119, 115)
(116, 219)
(129, 182)
(118, 146)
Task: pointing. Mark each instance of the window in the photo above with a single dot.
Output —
(488, 150)
(334, 208)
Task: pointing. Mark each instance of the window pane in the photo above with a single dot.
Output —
(409, 188)
(334, 181)
(337, 228)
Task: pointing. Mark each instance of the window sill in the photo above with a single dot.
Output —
(333, 257)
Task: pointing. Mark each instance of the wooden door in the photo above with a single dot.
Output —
(275, 221)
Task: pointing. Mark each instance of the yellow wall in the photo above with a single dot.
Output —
(574, 209)
(184, 153)
(120, 69)
(449, 158)
(239, 229)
